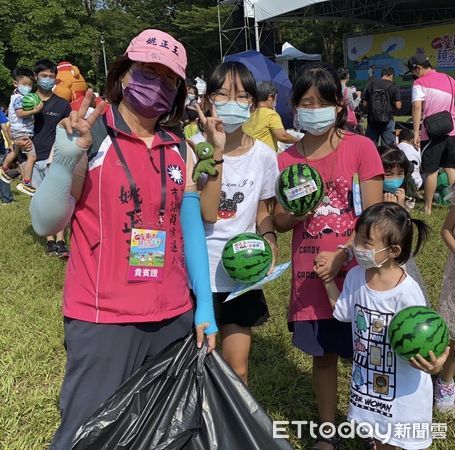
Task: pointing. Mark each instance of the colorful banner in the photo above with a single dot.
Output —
(367, 55)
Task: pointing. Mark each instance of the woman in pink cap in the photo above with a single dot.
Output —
(124, 183)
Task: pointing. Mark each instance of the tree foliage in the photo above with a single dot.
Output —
(71, 30)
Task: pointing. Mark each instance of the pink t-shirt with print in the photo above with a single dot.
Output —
(331, 224)
(436, 90)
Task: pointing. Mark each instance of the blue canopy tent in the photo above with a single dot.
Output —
(264, 69)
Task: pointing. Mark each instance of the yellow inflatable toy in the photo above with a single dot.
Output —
(70, 78)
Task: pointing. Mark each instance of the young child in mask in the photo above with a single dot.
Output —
(319, 239)
(399, 186)
(22, 130)
(372, 294)
(237, 200)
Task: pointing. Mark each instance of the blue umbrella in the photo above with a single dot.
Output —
(264, 69)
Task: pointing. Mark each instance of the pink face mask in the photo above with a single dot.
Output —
(149, 98)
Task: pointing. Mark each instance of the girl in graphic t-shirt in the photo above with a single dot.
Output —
(237, 200)
(385, 389)
(319, 239)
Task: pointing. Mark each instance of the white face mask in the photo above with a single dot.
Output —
(365, 257)
(316, 121)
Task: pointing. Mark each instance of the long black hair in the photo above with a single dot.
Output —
(395, 227)
(324, 78)
(391, 157)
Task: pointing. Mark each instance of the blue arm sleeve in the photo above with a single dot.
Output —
(52, 205)
(196, 260)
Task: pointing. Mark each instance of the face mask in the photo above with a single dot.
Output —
(365, 257)
(149, 98)
(24, 90)
(316, 121)
(191, 98)
(46, 83)
(232, 115)
(392, 184)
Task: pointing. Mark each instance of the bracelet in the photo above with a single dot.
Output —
(347, 251)
(269, 232)
(218, 161)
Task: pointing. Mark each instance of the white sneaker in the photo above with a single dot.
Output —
(26, 189)
(444, 396)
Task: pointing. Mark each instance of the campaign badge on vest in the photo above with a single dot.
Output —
(146, 259)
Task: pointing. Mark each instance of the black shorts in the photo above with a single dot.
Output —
(440, 153)
(247, 310)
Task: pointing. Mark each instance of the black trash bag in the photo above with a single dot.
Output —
(181, 399)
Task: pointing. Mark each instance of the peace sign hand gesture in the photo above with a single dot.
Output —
(214, 128)
(73, 134)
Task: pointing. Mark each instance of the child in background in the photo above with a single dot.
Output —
(22, 130)
(406, 139)
(340, 157)
(399, 186)
(373, 292)
(444, 394)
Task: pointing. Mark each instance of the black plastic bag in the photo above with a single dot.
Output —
(181, 399)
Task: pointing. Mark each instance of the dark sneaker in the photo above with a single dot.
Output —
(4, 176)
(51, 247)
(62, 249)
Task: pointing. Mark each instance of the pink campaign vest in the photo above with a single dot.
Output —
(96, 287)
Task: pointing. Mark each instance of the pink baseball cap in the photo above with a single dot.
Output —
(155, 46)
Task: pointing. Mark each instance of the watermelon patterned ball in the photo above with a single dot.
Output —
(299, 189)
(418, 329)
(30, 101)
(247, 258)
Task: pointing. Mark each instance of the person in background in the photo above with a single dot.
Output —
(22, 129)
(371, 73)
(406, 143)
(265, 123)
(351, 102)
(381, 98)
(53, 111)
(444, 387)
(432, 92)
(6, 142)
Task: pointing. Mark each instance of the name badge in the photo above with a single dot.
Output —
(147, 254)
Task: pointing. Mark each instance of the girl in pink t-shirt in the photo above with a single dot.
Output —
(319, 239)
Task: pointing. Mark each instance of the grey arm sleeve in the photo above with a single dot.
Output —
(52, 205)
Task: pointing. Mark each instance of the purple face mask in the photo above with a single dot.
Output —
(149, 98)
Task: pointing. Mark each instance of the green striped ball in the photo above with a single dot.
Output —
(418, 329)
(30, 101)
(287, 189)
(247, 258)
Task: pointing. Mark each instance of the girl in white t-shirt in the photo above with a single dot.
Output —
(385, 390)
(237, 200)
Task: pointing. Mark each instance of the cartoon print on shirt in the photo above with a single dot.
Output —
(228, 207)
(373, 380)
(175, 173)
(334, 212)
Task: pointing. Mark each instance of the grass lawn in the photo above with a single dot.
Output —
(31, 340)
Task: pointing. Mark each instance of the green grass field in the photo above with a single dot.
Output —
(32, 357)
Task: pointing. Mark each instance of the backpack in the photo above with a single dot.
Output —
(381, 108)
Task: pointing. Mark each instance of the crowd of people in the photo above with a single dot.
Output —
(121, 173)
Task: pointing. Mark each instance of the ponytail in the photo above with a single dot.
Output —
(423, 230)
